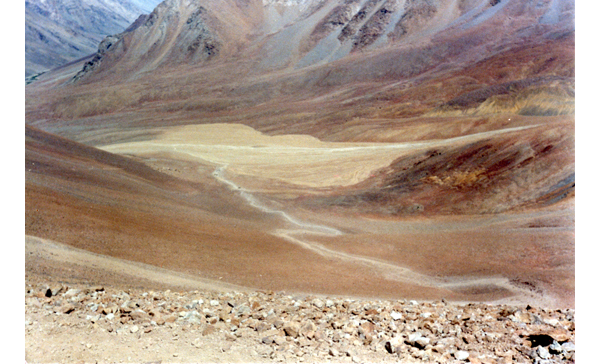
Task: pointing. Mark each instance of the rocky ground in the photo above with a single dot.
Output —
(81, 323)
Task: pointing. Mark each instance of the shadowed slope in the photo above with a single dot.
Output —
(527, 168)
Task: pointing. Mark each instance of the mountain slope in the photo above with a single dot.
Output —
(421, 145)
(60, 31)
(413, 35)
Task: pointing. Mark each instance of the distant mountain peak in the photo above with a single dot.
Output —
(60, 31)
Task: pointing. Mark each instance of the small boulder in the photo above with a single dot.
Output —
(555, 348)
(418, 340)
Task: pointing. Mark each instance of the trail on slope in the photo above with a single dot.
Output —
(306, 161)
(388, 270)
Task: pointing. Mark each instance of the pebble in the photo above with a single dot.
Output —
(568, 347)
(72, 292)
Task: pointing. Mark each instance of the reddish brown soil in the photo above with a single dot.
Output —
(493, 212)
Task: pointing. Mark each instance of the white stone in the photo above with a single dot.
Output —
(568, 346)
(543, 352)
(72, 292)
(461, 355)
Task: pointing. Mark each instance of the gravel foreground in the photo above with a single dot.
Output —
(78, 323)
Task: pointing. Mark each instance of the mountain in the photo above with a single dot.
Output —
(421, 147)
(409, 36)
(61, 31)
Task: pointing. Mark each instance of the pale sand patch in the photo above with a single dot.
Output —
(297, 159)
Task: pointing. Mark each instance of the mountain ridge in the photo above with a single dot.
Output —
(435, 139)
(60, 31)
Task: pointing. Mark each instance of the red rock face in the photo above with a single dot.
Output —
(474, 101)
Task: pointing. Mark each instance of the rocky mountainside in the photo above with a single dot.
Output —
(383, 60)
(273, 35)
(356, 154)
(386, 149)
(61, 31)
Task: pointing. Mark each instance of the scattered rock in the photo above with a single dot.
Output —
(417, 340)
(318, 303)
(67, 308)
(210, 329)
(276, 326)
(392, 344)
(555, 348)
(568, 347)
(72, 292)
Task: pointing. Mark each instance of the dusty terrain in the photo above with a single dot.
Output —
(362, 150)
(187, 319)
(389, 257)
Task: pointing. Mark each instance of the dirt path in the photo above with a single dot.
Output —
(241, 150)
(298, 236)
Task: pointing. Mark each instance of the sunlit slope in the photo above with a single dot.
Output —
(436, 148)
(112, 205)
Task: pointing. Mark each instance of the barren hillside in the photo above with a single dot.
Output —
(415, 149)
